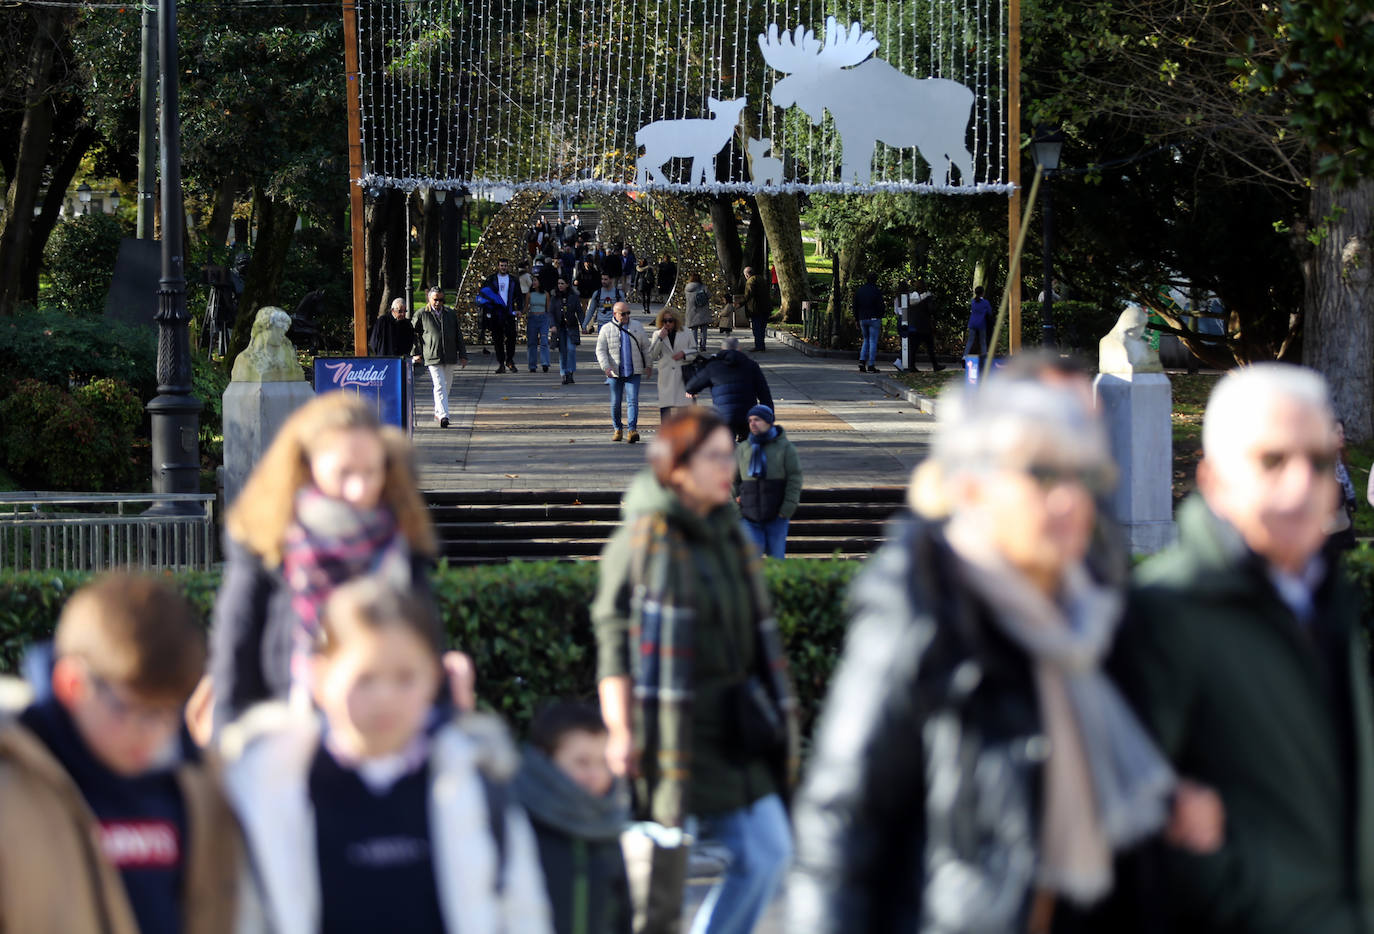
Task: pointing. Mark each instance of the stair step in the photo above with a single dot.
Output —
(473, 531)
(522, 497)
(572, 548)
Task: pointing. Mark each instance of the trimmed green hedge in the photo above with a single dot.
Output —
(525, 624)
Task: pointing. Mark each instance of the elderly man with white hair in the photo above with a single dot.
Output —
(1243, 655)
(975, 769)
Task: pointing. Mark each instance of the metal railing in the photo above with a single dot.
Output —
(96, 531)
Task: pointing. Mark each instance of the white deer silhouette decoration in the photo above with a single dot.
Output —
(872, 102)
(698, 140)
(766, 170)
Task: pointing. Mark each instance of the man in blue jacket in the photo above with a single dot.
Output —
(737, 385)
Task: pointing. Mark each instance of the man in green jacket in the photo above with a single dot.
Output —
(1243, 656)
(439, 343)
(768, 482)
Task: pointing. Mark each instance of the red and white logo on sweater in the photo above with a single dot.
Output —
(140, 844)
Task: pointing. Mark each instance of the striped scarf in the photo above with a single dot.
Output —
(663, 612)
(331, 543)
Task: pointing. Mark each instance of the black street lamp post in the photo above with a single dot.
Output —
(1045, 149)
(175, 412)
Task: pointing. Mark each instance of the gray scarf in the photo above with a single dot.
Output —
(555, 800)
(1106, 786)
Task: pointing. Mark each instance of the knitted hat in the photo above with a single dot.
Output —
(763, 412)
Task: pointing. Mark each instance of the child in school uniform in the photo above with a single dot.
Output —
(380, 814)
(112, 822)
(578, 810)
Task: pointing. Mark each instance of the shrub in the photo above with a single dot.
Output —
(62, 350)
(526, 625)
(80, 259)
(53, 440)
(208, 382)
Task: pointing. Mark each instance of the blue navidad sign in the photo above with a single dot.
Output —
(387, 383)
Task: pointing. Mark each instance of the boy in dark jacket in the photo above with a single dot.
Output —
(112, 822)
(578, 812)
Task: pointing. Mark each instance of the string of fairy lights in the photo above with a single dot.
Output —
(499, 96)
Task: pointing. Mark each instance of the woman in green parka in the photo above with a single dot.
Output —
(694, 685)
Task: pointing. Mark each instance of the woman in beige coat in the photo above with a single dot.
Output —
(667, 350)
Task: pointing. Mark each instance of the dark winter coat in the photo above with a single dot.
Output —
(612, 265)
(579, 848)
(1277, 716)
(926, 763)
(758, 297)
(588, 280)
(737, 384)
(391, 337)
(868, 302)
(252, 630)
(565, 311)
(777, 493)
(438, 339)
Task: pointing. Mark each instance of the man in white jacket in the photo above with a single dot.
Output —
(622, 352)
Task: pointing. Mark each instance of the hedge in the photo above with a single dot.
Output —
(525, 624)
(527, 628)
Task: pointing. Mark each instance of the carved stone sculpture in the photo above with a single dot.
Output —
(1124, 349)
(269, 356)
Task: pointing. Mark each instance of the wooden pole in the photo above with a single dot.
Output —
(355, 172)
(1014, 172)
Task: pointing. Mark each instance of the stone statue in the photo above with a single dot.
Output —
(269, 356)
(1124, 350)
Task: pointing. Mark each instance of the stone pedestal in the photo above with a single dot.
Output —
(253, 412)
(1136, 409)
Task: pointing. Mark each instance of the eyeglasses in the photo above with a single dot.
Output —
(1097, 480)
(1322, 462)
(670, 321)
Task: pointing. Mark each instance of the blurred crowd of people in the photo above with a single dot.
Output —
(1024, 733)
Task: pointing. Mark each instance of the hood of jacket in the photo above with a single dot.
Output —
(555, 800)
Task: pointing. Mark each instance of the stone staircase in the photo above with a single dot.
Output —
(490, 526)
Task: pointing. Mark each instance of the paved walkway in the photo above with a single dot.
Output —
(528, 430)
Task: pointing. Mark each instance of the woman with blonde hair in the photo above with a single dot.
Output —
(667, 350)
(333, 498)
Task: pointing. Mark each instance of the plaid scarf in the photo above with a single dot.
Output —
(331, 543)
(663, 612)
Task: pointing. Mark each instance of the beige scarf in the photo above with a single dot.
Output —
(1105, 785)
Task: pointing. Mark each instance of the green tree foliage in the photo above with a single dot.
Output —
(80, 260)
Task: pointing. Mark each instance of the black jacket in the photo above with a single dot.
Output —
(919, 812)
(737, 384)
(868, 302)
(252, 629)
(517, 297)
(565, 310)
(612, 265)
(391, 337)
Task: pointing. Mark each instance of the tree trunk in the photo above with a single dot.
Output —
(782, 224)
(222, 214)
(263, 277)
(844, 329)
(1338, 332)
(755, 243)
(58, 183)
(729, 252)
(35, 138)
(431, 223)
(386, 250)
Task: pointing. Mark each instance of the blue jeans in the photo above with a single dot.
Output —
(626, 387)
(537, 338)
(759, 839)
(868, 351)
(567, 350)
(771, 537)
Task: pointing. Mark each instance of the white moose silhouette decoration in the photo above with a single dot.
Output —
(767, 170)
(697, 140)
(871, 103)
